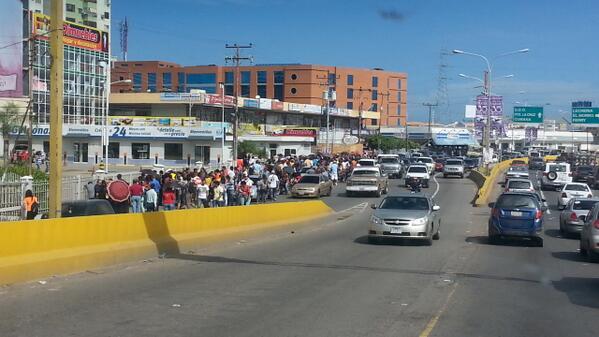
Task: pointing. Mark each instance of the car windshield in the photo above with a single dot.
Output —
(576, 187)
(510, 201)
(309, 180)
(583, 204)
(519, 184)
(557, 168)
(405, 203)
(365, 173)
(425, 160)
(389, 160)
(417, 169)
(454, 162)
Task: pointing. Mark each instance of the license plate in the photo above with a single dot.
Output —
(395, 230)
(361, 188)
(516, 213)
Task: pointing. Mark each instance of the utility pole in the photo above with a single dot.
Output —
(236, 59)
(330, 91)
(360, 90)
(56, 106)
(430, 116)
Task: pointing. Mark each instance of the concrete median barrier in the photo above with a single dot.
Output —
(35, 249)
(489, 184)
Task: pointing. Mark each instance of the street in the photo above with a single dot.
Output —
(324, 279)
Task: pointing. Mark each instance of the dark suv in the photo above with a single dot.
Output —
(582, 173)
(536, 163)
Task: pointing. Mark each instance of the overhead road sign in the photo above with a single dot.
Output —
(528, 114)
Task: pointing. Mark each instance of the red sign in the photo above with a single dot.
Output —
(213, 99)
(276, 105)
(73, 34)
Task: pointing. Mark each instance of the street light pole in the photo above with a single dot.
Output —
(222, 156)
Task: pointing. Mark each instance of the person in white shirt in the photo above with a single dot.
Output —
(273, 185)
(202, 189)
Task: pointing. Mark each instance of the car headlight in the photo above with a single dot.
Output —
(418, 222)
(376, 220)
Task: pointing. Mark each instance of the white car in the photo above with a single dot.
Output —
(367, 162)
(573, 190)
(429, 162)
(453, 167)
(556, 175)
(519, 185)
(418, 171)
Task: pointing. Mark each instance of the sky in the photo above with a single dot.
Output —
(406, 36)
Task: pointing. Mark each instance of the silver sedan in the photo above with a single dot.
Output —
(571, 219)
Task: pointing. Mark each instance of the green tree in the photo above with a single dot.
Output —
(8, 120)
(245, 148)
(387, 144)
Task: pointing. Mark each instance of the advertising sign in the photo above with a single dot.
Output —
(250, 103)
(585, 115)
(530, 134)
(129, 131)
(294, 131)
(492, 105)
(213, 99)
(528, 114)
(75, 35)
(265, 103)
(182, 97)
(11, 56)
(470, 112)
(277, 105)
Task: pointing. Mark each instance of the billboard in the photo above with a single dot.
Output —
(492, 105)
(75, 35)
(470, 111)
(11, 55)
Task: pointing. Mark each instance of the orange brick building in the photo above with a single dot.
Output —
(357, 89)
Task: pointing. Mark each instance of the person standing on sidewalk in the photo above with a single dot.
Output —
(136, 191)
(169, 199)
(150, 199)
(31, 205)
(219, 194)
(273, 185)
(245, 193)
(203, 190)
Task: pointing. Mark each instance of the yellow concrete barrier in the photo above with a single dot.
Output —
(486, 191)
(36, 249)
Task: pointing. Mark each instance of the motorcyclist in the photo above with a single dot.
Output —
(415, 184)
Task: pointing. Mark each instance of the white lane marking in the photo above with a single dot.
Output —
(361, 206)
(436, 183)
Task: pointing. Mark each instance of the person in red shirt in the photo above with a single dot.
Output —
(245, 194)
(136, 191)
(168, 199)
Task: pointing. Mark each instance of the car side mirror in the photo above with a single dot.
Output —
(491, 205)
(436, 208)
(373, 206)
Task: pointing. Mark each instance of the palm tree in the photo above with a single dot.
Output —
(8, 119)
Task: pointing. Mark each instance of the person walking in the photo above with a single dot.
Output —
(245, 193)
(31, 205)
(101, 189)
(273, 185)
(150, 199)
(136, 191)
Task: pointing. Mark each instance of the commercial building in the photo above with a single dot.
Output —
(91, 13)
(356, 89)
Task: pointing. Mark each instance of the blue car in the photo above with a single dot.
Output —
(516, 215)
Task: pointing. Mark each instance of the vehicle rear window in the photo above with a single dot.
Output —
(366, 163)
(389, 160)
(454, 162)
(584, 169)
(309, 180)
(572, 187)
(516, 201)
(417, 169)
(557, 168)
(519, 184)
(407, 203)
(583, 204)
(425, 160)
(365, 173)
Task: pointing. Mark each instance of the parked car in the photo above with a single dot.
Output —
(572, 218)
(573, 190)
(367, 179)
(312, 186)
(516, 215)
(589, 236)
(582, 173)
(556, 175)
(391, 166)
(418, 171)
(408, 216)
(453, 167)
(519, 185)
(86, 207)
(536, 163)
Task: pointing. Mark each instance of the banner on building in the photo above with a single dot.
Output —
(11, 55)
(75, 35)
(492, 106)
(213, 99)
(293, 131)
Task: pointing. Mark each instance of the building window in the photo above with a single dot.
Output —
(375, 95)
(332, 79)
(229, 77)
(350, 105)
(398, 122)
(114, 150)
(245, 90)
(290, 152)
(140, 150)
(399, 84)
(106, 15)
(136, 82)
(261, 77)
(152, 82)
(294, 77)
(70, 19)
(350, 79)
(294, 91)
(375, 107)
(350, 93)
(180, 82)
(167, 81)
(399, 96)
(375, 122)
(70, 8)
(279, 85)
(206, 82)
(202, 153)
(375, 81)
(399, 109)
(246, 78)
(173, 151)
(262, 91)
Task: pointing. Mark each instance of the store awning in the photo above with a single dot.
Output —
(441, 141)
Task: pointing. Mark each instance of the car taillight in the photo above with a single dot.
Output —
(538, 214)
(596, 224)
(564, 195)
(573, 216)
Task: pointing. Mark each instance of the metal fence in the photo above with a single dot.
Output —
(73, 188)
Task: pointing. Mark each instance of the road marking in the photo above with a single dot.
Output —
(361, 206)
(436, 183)
(433, 322)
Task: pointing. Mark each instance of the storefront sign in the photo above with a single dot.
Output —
(265, 103)
(74, 34)
(127, 131)
(277, 105)
(251, 129)
(293, 131)
(212, 99)
(250, 103)
(182, 97)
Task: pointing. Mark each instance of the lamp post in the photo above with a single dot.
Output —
(222, 153)
(487, 90)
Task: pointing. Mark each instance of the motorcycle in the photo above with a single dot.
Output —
(415, 185)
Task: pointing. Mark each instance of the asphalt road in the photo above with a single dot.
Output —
(323, 279)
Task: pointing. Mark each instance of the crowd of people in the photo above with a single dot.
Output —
(250, 180)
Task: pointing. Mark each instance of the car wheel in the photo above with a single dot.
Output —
(386, 190)
(592, 256)
(461, 176)
(429, 241)
(378, 193)
(437, 235)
